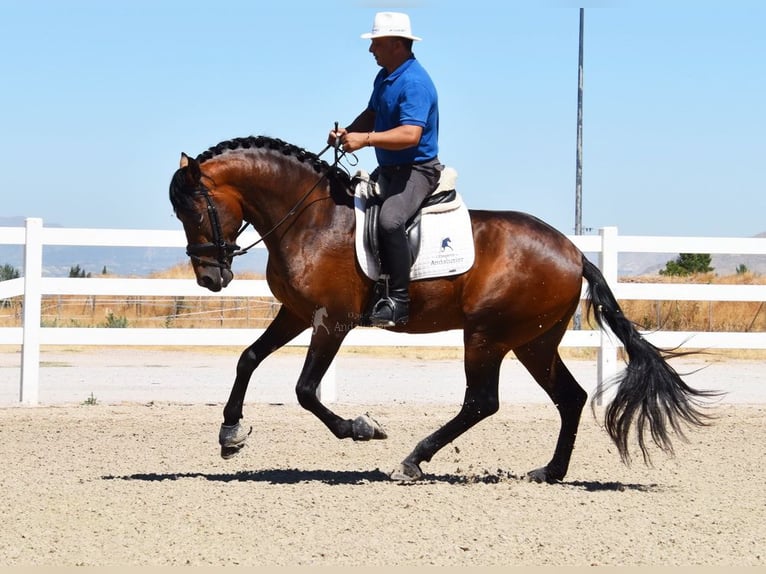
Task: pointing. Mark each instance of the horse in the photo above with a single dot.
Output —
(520, 294)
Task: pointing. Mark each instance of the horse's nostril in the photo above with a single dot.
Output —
(209, 283)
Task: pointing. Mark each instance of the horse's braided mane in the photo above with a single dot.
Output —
(274, 144)
(182, 198)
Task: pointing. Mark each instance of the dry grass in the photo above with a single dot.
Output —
(713, 316)
(150, 312)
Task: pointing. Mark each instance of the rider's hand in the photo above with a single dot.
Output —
(335, 134)
(353, 141)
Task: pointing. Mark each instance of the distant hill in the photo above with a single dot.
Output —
(19, 221)
(633, 264)
(123, 261)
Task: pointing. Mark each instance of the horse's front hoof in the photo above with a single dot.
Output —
(541, 475)
(364, 427)
(232, 439)
(228, 452)
(407, 472)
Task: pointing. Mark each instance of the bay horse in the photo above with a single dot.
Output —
(520, 294)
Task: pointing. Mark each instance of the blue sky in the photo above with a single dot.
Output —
(99, 98)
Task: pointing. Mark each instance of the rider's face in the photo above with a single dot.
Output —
(386, 50)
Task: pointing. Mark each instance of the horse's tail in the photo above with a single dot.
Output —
(649, 390)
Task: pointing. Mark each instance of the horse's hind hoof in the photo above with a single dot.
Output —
(232, 439)
(364, 427)
(407, 472)
(541, 475)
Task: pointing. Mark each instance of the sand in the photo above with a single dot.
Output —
(136, 478)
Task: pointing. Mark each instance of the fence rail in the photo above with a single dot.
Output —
(608, 244)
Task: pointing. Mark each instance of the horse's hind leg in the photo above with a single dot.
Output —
(482, 368)
(280, 331)
(542, 360)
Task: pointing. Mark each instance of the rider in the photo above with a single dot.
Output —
(401, 122)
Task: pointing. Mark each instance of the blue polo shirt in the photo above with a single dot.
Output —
(407, 96)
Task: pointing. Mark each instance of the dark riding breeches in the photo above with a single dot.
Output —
(405, 188)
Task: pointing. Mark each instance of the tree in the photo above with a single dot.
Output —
(687, 264)
(742, 269)
(8, 272)
(77, 272)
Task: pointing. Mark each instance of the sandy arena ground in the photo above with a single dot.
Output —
(136, 479)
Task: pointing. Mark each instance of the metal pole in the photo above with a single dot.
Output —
(577, 320)
(578, 177)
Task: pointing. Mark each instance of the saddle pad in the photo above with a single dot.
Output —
(446, 242)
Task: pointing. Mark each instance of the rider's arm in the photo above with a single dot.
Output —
(364, 122)
(400, 137)
(359, 134)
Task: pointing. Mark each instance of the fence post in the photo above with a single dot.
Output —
(327, 391)
(607, 351)
(30, 346)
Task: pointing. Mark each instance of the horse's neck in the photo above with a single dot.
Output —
(268, 189)
(292, 199)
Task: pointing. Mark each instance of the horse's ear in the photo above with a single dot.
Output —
(193, 173)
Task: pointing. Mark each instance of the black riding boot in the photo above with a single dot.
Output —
(394, 309)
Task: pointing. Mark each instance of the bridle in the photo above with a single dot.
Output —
(225, 251)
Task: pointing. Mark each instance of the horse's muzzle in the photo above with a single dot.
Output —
(214, 278)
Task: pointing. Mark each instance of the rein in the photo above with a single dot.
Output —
(227, 251)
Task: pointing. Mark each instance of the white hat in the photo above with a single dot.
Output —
(391, 24)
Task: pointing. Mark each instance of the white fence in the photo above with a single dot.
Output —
(608, 244)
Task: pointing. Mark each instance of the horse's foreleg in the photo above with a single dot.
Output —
(481, 400)
(282, 330)
(320, 355)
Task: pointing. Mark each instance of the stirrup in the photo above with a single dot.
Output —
(389, 312)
